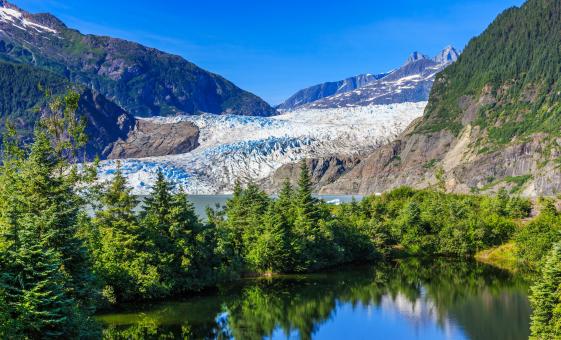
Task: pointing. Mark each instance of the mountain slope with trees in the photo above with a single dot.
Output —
(24, 92)
(492, 120)
(143, 81)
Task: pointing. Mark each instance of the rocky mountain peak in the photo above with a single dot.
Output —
(448, 55)
(416, 56)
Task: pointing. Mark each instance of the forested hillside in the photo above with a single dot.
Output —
(24, 90)
(143, 81)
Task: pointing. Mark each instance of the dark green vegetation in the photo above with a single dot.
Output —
(142, 80)
(512, 69)
(481, 302)
(59, 265)
(24, 98)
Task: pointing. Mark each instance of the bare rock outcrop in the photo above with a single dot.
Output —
(152, 139)
(324, 170)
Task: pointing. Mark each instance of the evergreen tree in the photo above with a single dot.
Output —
(36, 291)
(546, 298)
(124, 260)
(271, 250)
(306, 223)
(156, 228)
(194, 260)
(285, 202)
(46, 275)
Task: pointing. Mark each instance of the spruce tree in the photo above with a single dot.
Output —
(545, 298)
(306, 223)
(46, 276)
(124, 259)
(35, 289)
(193, 245)
(271, 251)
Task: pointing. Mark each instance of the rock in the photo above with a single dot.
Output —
(323, 171)
(152, 139)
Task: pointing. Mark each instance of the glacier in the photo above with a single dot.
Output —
(250, 148)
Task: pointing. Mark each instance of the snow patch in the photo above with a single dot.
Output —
(17, 19)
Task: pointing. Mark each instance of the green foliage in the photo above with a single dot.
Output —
(433, 222)
(46, 278)
(294, 233)
(517, 62)
(546, 299)
(536, 238)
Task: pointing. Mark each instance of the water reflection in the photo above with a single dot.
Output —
(404, 299)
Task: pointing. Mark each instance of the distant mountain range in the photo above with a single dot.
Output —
(411, 82)
(317, 92)
(143, 81)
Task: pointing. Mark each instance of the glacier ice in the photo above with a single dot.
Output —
(251, 148)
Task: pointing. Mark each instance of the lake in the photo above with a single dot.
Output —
(405, 299)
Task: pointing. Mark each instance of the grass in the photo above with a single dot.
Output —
(503, 256)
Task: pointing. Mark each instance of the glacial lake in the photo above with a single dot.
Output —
(405, 299)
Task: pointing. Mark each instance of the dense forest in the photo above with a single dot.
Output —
(517, 62)
(71, 246)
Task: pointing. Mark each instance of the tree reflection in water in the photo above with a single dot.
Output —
(476, 300)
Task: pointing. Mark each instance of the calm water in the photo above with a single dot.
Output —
(409, 299)
(201, 202)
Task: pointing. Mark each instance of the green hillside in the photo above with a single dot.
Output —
(516, 63)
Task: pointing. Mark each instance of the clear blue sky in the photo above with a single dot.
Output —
(274, 48)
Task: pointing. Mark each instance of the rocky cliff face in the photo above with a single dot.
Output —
(323, 170)
(153, 139)
(492, 120)
(142, 80)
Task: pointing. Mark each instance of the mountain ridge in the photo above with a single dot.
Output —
(142, 80)
(378, 89)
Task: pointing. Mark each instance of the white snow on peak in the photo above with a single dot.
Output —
(252, 148)
(17, 19)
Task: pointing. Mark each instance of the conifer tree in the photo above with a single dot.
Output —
(35, 289)
(46, 276)
(193, 259)
(546, 298)
(271, 251)
(156, 227)
(285, 202)
(124, 259)
(306, 222)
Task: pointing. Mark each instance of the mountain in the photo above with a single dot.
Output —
(143, 81)
(323, 90)
(493, 119)
(22, 102)
(411, 82)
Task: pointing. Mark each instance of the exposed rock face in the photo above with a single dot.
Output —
(106, 123)
(152, 139)
(414, 159)
(323, 170)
